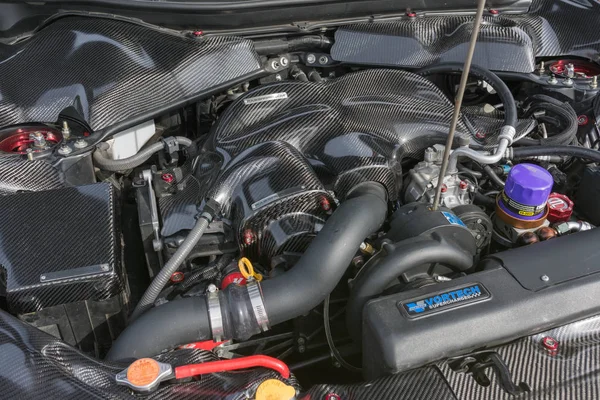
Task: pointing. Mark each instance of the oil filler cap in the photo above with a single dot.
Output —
(560, 208)
(144, 375)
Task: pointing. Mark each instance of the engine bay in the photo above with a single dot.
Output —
(189, 198)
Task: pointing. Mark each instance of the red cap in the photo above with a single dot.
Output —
(560, 208)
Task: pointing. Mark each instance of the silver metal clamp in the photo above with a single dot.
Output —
(258, 305)
(214, 313)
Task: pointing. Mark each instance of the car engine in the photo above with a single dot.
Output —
(250, 197)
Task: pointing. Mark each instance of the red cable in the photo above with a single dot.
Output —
(187, 371)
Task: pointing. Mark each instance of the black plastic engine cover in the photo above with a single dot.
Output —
(60, 246)
(409, 329)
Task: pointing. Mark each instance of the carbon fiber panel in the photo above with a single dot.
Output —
(506, 43)
(571, 373)
(351, 129)
(421, 384)
(292, 137)
(34, 365)
(112, 70)
(20, 175)
(59, 246)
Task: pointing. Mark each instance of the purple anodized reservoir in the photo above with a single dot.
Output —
(526, 192)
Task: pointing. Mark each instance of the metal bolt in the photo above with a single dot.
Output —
(323, 60)
(570, 70)
(568, 82)
(553, 80)
(275, 65)
(542, 69)
(550, 344)
(29, 154)
(81, 143)
(39, 140)
(594, 83)
(311, 59)
(278, 77)
(105, 268)
(43, 277)
(545, 278)
(301, 340)
(301, 349)
(284, 61)
(64, 150)
(479, 221)
(212, 288)
(66, 131)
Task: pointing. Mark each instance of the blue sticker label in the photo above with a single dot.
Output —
(444, 300)
(453, 219)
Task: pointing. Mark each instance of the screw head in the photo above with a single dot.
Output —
(550, 344)
(284, 62)
(311, 58)
(545, 278)
(167, 177)
(178, 276)
(64, 150)
(275, 65)
(80, 143)
(212, 288)
(323, 60)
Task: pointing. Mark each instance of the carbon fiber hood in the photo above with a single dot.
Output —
(111, 70)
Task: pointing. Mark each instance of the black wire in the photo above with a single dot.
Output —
(329, 337)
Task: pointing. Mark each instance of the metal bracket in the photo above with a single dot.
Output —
(477, 364)
(157, 242)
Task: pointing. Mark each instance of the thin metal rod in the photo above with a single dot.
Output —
(458, 103)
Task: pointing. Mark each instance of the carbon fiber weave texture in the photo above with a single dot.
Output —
(59, 231)
(572, 373)
(35, 366)
(506, 42)
(111, 70)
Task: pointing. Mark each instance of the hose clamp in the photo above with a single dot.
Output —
(214, 313)
(258, 305)
(508, 133)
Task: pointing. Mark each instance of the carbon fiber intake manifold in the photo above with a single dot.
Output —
(279, 152)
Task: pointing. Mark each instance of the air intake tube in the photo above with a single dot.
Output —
(239, 312)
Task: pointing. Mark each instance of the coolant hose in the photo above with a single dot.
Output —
(507, 132)
(160, 281)
(397, 259)
(508, 101)
(285, 297)
(541, 151)
(103, 161)
(563, 110)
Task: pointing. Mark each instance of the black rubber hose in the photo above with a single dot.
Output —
(573, 151)
(510, 107)
(401, 257)
(285, 297)
(162, 328)
(162, 278)
(493, 176)
(325, 261)
(555, 107)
